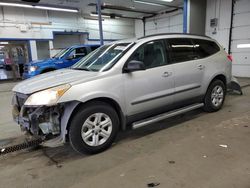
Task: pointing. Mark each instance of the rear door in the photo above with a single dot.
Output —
(188, 71)
(150, 90)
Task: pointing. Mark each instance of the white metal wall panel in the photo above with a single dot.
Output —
(220, 9)
(167, 23)
(241, 35)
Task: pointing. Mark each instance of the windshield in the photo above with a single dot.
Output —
(61, 53)
(102, 58)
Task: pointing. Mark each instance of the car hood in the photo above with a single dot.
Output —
(54, 78)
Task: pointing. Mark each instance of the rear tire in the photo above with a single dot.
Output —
(94, 128)
(215, 96)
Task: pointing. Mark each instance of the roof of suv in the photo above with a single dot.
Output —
(180, 34)
(159, 36)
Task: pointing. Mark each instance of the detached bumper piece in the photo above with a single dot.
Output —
(234, 86)
(38, 121)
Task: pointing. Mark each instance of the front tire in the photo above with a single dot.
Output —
(215, 96)
(94, 128)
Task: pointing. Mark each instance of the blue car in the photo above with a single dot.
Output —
(65, 58)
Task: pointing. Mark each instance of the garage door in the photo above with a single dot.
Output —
(241, 38)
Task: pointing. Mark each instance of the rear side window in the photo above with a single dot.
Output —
(181, 49)
(204, 48)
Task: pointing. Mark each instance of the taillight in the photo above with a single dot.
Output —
(230, 57)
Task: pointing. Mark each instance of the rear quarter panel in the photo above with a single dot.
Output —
(217, 64)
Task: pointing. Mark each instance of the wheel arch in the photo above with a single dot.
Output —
(107, 100)
(221, 77)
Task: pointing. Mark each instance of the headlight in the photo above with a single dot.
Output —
(47, 97)
(33, 68)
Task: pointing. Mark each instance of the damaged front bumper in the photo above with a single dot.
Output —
(39, 121)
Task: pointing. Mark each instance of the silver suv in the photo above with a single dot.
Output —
(126, 84)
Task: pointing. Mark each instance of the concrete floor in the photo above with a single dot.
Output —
(180, 152)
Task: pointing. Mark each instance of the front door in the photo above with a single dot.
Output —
(149, 90)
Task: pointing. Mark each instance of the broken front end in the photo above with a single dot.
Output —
(37, 120)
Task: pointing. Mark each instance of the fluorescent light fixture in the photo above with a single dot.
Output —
(169, 1)
(243, 46)
(151, 3)
(15, 5)
(96, 15)
(148, 3)
(43, 7)
(4, 42)
(56, 9)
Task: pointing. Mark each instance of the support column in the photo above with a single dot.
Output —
(100, 21)
(33, 50)
(194, 16)
(51, 46)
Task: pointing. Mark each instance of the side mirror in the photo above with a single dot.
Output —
(134, 65)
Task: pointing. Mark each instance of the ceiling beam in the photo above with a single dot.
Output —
(126, 9)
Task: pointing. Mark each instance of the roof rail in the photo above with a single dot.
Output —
(184, 34)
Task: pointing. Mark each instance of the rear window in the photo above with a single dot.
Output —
(181, 49)
(204, 48)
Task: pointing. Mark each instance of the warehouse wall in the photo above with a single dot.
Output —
(165, 23)
(241, 35)
(40, 24)
(31, 23)
(221, 9)
(43, 49)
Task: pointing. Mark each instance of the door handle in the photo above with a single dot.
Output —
(167, 74)
(200, 67)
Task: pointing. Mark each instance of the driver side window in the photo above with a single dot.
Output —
(152, 54)
(78, 52)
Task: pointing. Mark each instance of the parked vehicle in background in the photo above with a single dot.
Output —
(65, 58)
(1, 59)
(126, 84)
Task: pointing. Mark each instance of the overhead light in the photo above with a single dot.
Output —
(56, 9)
(154, 4)
(243, 46)
(4, 42)
(39, 7)
(15, 5)
(96, 15)
(148, 3)
(169, 1)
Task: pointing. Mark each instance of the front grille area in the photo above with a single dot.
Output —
(25, 68)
